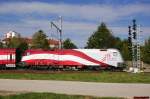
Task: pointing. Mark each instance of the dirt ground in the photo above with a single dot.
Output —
(6, 93)
(74, 88)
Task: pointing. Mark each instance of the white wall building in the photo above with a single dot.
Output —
(11, 34)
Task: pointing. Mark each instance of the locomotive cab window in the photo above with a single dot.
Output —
(115, 54)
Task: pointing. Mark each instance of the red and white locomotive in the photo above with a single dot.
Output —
(73, 57)
(78, 58)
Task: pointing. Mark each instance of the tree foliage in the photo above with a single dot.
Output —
(1, 45)
(146, 51)
(17, 43)
(39, 40)
(14, 42)
(102, 38)
(125, 51)
(68, 44)
(20, 44)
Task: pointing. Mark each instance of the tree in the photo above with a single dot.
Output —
(39, 40)
(1, 45)
(68, 44)
(126, 53)
(14, 42)
(118, 43)
(102, 38)
(146, 51)
(20, 44)
(17, 42)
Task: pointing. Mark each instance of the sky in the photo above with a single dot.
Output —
(80, 17)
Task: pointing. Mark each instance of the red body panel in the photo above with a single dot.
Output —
(48, 62)
(54, 62)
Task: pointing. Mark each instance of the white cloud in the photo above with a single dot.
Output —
(89, 12)
(78, 31)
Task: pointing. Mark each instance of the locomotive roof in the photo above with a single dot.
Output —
(111, 49)
(7, 49)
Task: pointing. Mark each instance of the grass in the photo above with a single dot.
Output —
(52, 96)
(109, 77)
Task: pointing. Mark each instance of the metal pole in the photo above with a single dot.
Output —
(61, 44)
(138, 49)
(134, 44)
(60, 31)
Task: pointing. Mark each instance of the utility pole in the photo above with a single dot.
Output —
(59, 29)
(138, 49)
(134, 41)
(61, 44)
(135, 46)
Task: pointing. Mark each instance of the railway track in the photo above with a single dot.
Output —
(45, 71)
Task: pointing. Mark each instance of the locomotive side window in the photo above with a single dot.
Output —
(115, 54)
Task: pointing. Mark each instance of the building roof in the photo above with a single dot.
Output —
(29, 41)
(54, 42)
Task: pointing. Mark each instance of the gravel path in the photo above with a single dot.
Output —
(78, 88)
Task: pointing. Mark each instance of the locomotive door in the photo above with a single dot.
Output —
(10, 60)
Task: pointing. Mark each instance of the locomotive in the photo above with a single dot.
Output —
(64, 58)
